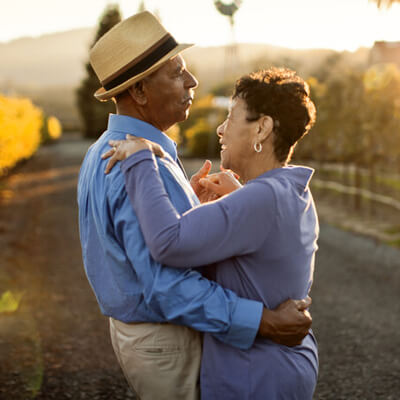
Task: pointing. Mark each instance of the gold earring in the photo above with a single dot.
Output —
(257, 147)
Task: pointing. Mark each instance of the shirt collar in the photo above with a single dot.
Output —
(136, 127)
(299, 174)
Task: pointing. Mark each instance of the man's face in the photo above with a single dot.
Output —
(169, 92)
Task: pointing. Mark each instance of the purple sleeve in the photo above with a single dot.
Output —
(231, 226)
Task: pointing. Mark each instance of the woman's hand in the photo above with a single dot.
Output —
(122, 149)
(221, 183)
(202, 193)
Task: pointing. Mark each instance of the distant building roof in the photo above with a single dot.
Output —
(385, 52)
(221, 101)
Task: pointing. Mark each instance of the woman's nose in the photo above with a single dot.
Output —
(220, 129)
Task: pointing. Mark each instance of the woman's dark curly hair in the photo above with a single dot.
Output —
(285, 97)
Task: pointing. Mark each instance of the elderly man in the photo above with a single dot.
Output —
(156, 312)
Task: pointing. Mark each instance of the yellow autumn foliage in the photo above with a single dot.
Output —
(9, 302)
(173, 133)
(54, 127)
(20, 125)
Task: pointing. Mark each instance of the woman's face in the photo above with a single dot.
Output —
(237, 137)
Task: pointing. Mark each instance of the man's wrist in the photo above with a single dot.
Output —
(267, 326)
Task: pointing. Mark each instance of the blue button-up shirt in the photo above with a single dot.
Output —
(129, 285)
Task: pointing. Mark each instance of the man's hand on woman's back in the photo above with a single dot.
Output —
(287, 324)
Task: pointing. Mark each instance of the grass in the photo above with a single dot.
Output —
(394, 243)
(393, 230)
(393, 183)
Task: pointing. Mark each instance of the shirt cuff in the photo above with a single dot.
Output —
(135, 159)
(246, 321)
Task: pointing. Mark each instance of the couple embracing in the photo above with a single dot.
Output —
(206, 282)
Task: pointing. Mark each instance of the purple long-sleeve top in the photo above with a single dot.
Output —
(262, 239)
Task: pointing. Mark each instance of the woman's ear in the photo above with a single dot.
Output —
(138, 94)
(265, 128)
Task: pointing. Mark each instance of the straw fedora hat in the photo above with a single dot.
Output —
(130, 51)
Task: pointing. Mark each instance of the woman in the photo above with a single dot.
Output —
(261, 237)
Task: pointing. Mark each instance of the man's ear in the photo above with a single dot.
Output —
(138, 94)
(265, 128)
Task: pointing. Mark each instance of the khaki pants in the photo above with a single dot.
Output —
(160, 361)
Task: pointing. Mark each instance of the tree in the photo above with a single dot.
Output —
(387, 3)
(358, 124)
(142, 6)
(229, 9)
(382, 122)
(94, 114)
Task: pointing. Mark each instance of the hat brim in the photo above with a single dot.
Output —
(103, 95)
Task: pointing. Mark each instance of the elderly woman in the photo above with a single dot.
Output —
(260, 239)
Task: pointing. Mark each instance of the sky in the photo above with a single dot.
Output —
(335, 24)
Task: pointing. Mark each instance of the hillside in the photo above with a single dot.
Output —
(58, 59)
(54, 59)
(49, 68)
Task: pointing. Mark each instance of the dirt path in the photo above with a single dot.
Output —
(56, 345)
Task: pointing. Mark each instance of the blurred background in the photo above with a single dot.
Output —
(347, 50)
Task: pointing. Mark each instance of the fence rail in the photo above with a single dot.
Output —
(351, 190)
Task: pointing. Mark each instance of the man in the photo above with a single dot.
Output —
(139, 65)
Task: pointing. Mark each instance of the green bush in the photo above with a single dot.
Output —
(202, 140)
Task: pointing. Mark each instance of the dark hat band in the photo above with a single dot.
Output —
(144, 64)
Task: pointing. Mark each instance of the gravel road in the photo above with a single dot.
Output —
(56, 345)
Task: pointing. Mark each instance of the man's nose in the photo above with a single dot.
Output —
(191, 81)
